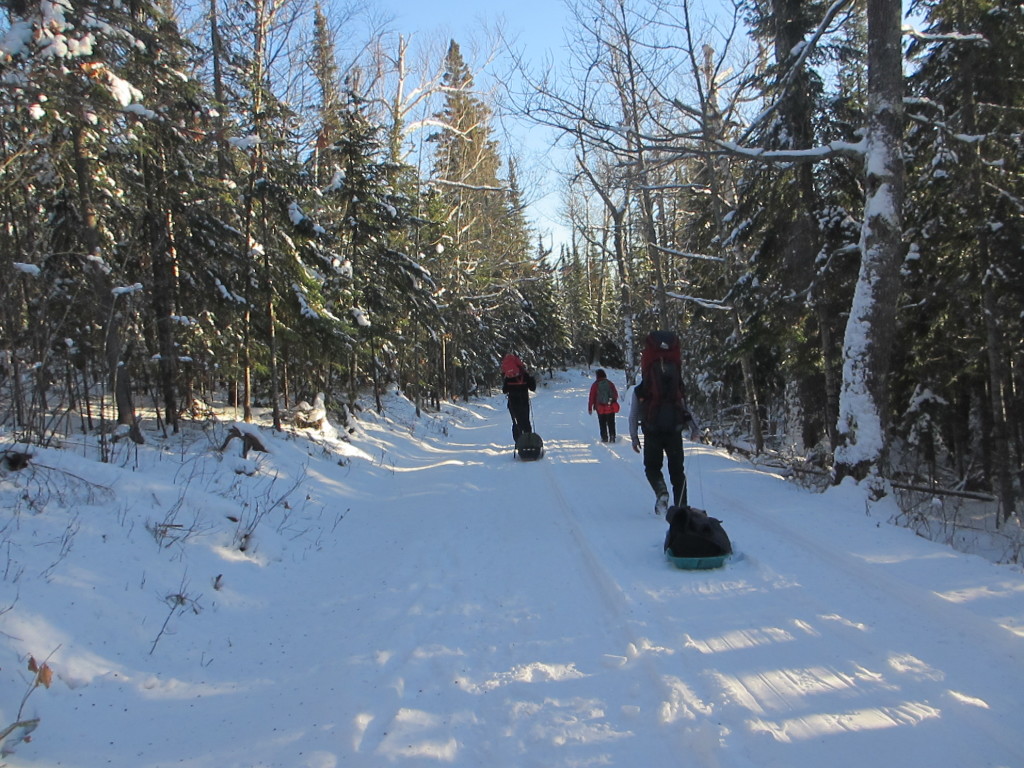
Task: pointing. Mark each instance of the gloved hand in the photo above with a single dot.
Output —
(636, 444)
(590, 411)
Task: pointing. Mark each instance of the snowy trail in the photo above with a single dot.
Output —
(452, 606)
(548, 662)
(789, 656)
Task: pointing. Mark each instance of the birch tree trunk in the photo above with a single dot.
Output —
(617, 214)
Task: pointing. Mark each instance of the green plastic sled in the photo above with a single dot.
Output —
(696, 563)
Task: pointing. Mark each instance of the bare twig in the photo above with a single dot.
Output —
(178, 602)
(28, 725)
(42, 675)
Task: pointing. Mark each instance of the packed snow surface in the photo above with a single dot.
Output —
(412, 595)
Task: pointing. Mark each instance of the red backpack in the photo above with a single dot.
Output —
(661, 387)
(512, 369)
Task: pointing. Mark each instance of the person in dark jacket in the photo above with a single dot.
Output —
(518, 384)
(604, 398)
(658, 407)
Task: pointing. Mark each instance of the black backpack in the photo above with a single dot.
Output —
(691, 533)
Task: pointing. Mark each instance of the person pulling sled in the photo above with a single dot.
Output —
(658, 408)
(518, 384)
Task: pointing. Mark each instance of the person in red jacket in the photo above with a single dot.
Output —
(518, 384)
(604, 398)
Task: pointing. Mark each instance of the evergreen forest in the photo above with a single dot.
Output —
(257, 202)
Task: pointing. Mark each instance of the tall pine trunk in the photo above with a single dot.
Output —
(999, 386)
(109, 316)
(163, 297)
(863, 401)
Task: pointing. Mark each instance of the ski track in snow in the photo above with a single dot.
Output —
(599, 703)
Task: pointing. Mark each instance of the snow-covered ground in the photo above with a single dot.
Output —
(417, 597)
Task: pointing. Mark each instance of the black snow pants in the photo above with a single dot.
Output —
(659, 446)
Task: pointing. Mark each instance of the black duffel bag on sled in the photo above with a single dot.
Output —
(695, 541)
(529, 446)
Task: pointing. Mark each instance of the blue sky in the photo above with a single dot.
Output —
(536, 23)
(536, 28)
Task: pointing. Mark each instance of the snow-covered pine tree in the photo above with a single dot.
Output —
(469, 199)
(389, 292)
(781, 204)
(75, 73)
(967, 225)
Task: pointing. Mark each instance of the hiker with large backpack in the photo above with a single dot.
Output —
(658, 407)
(518, 384)
(604, 398)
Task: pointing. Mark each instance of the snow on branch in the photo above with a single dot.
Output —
(1015, 201)
(832, 149)
(226, 293)
(714, 304)
(427, 123)
(462, 185)
(951, 37)
(686, 254)
(16, 40)
(360, 316)
(301, 221)
(304, 309)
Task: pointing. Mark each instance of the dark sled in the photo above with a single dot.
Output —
(695, 542)
(529, 446)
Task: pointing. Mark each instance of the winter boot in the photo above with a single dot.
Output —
(661, 505)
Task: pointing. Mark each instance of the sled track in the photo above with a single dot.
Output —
(701, 739)
(785, 682)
